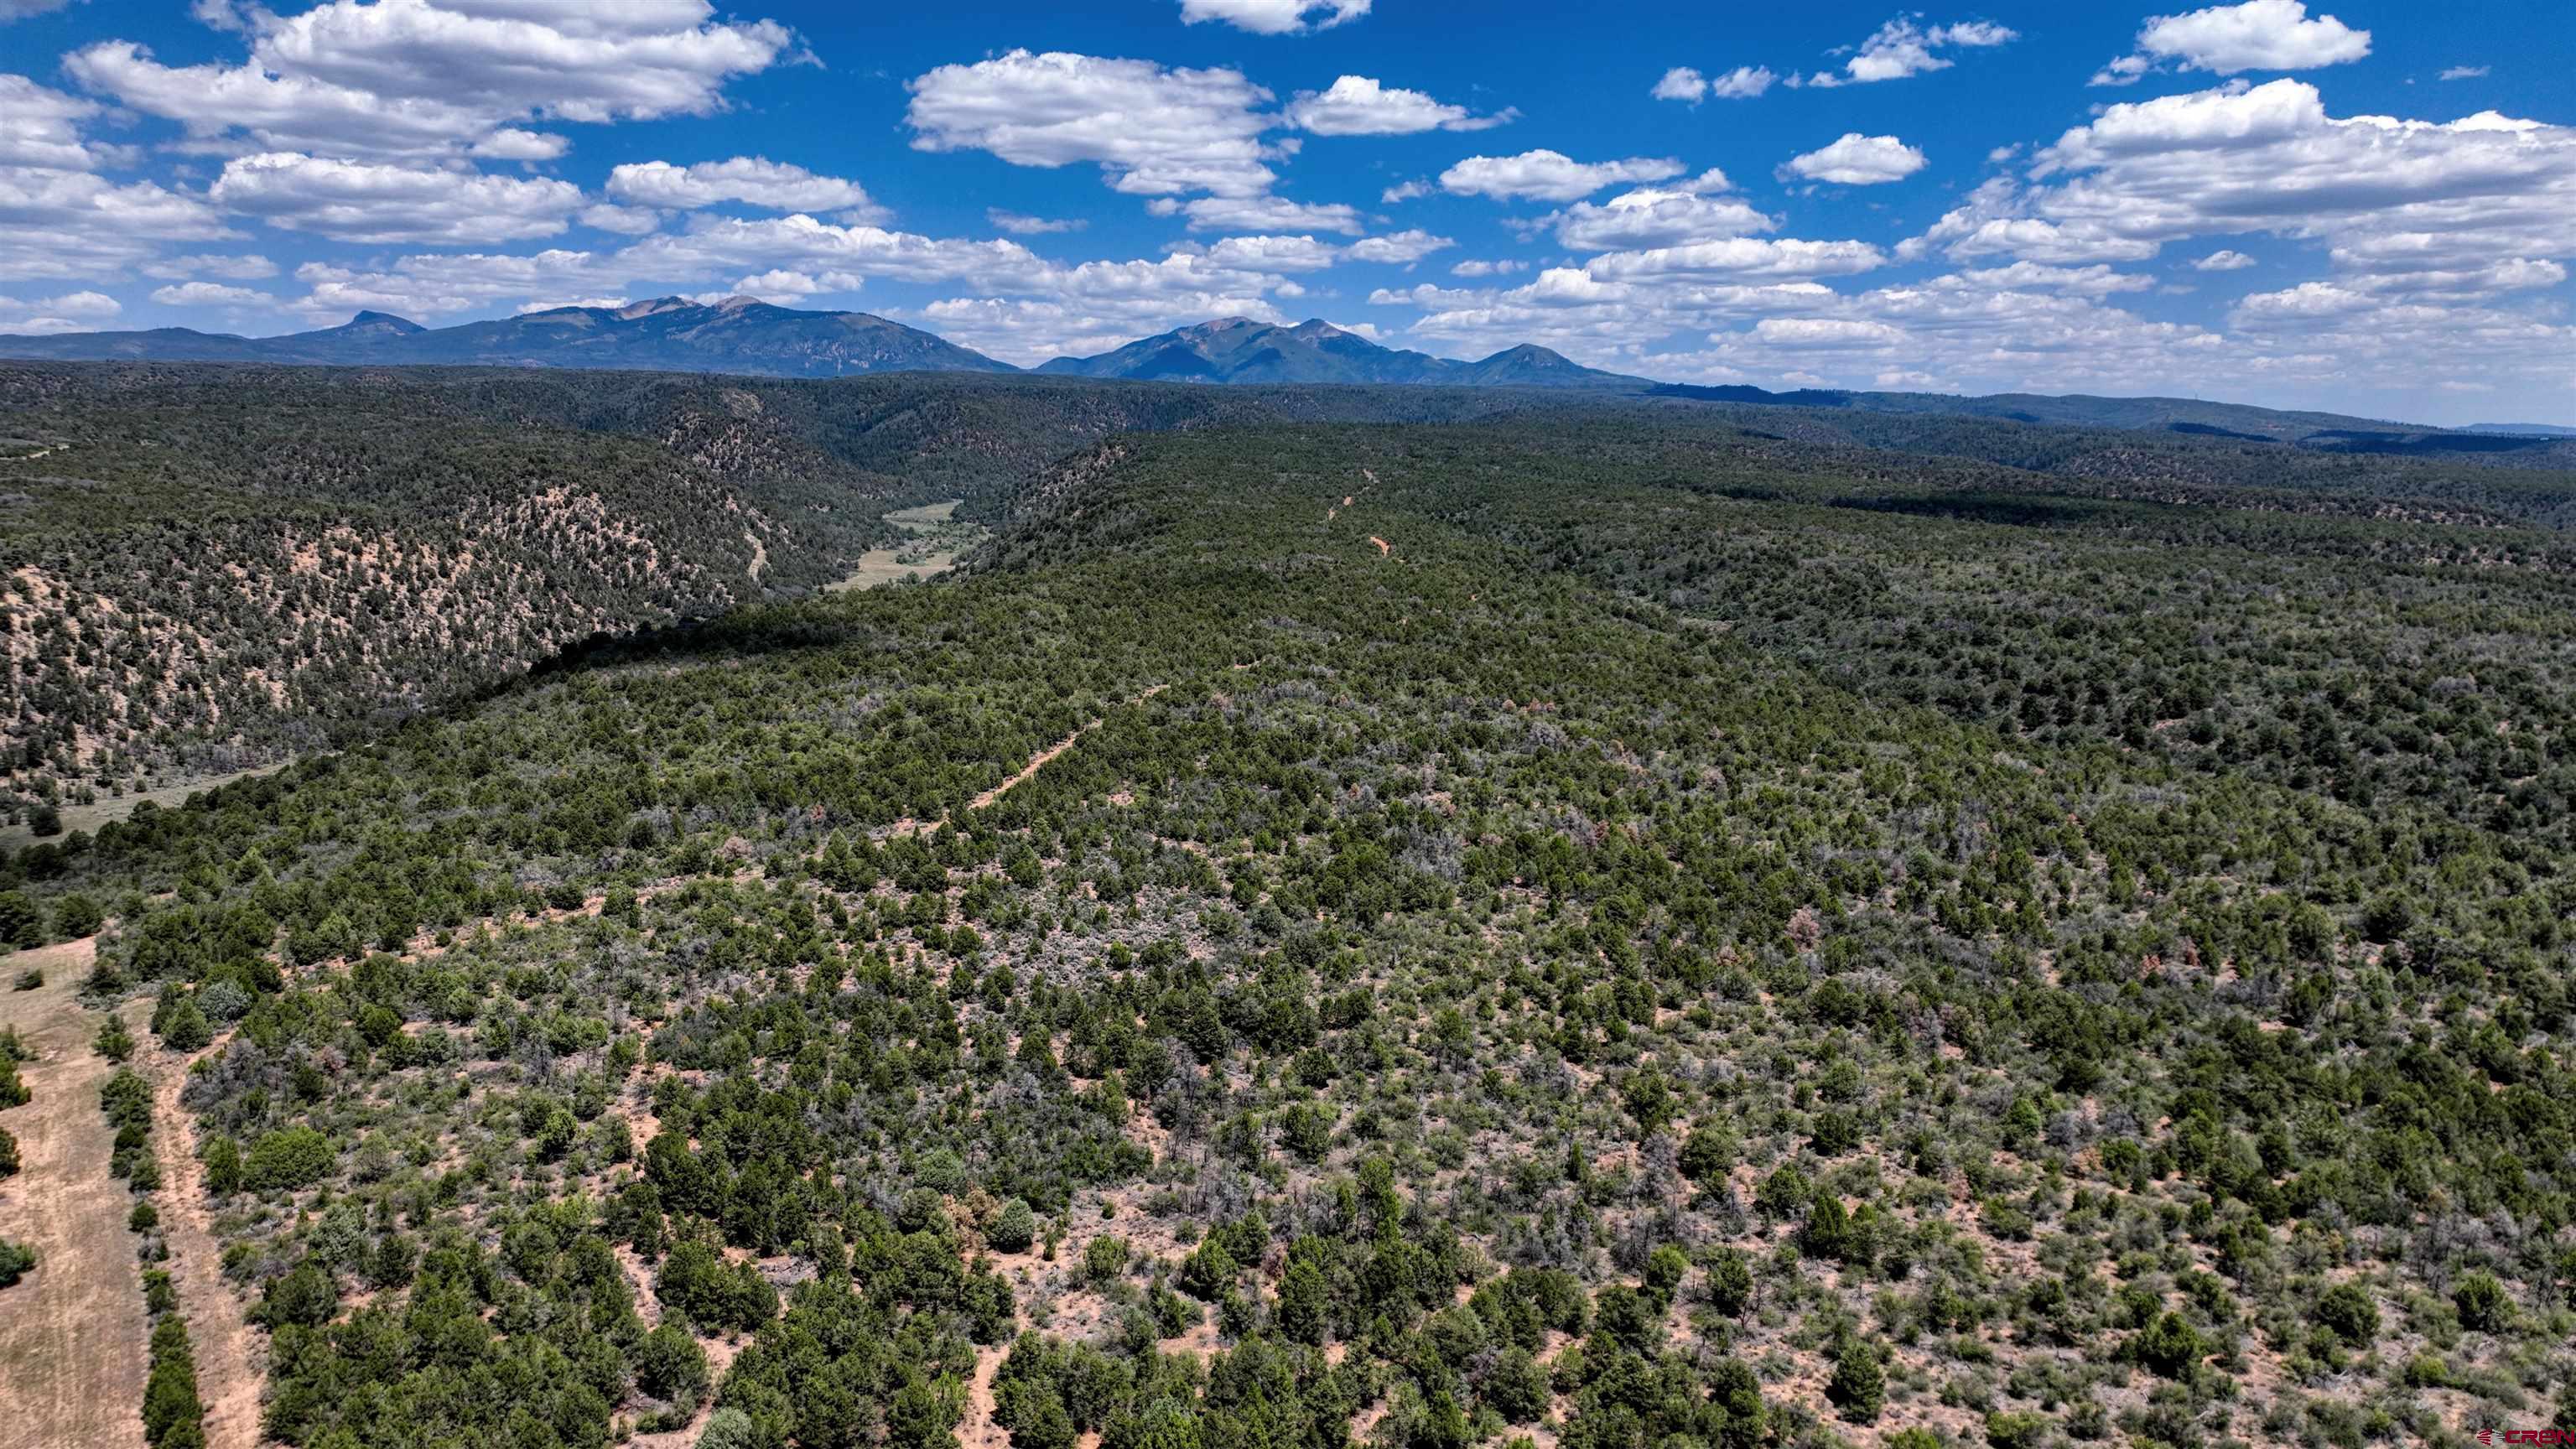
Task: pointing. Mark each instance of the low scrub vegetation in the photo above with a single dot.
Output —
(1637, 936)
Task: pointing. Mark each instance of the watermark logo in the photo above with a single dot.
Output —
(2492, 1437)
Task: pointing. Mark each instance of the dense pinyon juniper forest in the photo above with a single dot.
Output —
(1355, 916)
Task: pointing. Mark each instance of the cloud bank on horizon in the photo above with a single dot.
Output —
(2265, 201)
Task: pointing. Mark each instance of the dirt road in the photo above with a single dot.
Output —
(230, 1356)
(72, 1335)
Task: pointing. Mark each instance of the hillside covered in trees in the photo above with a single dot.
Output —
(213, 568)
(1661, 924)
(210, 568)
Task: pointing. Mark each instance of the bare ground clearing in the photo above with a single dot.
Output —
(72, 1334)
(99, 812)
(938, 542)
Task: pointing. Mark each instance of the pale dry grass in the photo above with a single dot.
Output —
(72, 1333)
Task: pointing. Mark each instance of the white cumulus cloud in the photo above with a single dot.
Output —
(511, 143)
(1835, 332)
(250, 268)
(74, 224)
(2098, 280)
(1742, 83)
(209, 294)
(1653, 217)
(409, 76)
(358, 201)
(783, 285)
(1356, 105)
(1271, 254)
(1905, 47)
(2229, 39)
(2481, 205)
(1262, 213)
(1275, 17)
(1857, 160)
(43, 128)
(1022, 224)
(1152, 131)
(1401, 248)
(71, 312)
(1548, 175)
(752, 180)
(1738, 259)
(1681, 83)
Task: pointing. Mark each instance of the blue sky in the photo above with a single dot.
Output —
(2363, 206)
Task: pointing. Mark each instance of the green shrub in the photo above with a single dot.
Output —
(1858, 1386)
(729, 1428)
(2168, 1346)
(2347, 1309)
(78, 915)
(305, 1297)
(289, 1157)
(2015, 1431)
(670, 1366)
(2482, 1303)
(16, 1262)
(1104, 1257)
(173, 1416)
(1730, 1282)
(1014, 1228)
(1708, 1152)
(22, 920)
(1516, 1387)
(223, 1166)
(184, 1028)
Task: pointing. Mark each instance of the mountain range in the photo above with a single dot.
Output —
(2522, 430)
(1241, 350)
(741, 335)
(669, 334)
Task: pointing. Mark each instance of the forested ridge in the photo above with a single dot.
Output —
(211, 567)
(1602, 927)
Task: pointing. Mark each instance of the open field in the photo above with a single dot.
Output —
(72, 1334)
(98, 812)
(937, 544)
(928, 516)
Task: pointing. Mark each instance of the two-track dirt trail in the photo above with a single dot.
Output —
(1043, 758)
(72, 1335)
(228, 1350)
(1019, 777)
